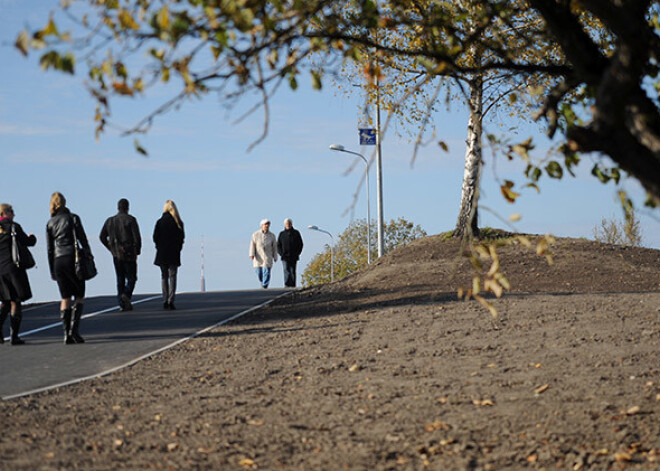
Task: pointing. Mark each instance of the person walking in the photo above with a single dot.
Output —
(168, 237)
(263, 252)
(14, 282)
(62, 231)
(121, 236)
(289, 246)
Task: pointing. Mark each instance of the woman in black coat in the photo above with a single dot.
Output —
(61, 232)
(168, 237)
(14, 283)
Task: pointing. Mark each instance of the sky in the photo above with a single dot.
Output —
(198, 157)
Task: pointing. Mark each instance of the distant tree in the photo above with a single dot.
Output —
(627, 232)
(350, 251)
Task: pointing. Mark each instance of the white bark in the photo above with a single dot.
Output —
(467, 216)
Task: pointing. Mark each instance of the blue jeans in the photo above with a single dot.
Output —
(263, 273)
(126, 273)
(289, 273)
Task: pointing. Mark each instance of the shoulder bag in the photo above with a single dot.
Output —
(20, 254)
(85, 266)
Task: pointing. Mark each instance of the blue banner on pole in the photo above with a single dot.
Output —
(367, 136)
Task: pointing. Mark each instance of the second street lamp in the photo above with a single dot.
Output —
(340, 148)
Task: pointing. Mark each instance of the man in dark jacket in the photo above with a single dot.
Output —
(121, 236)
(289, 246)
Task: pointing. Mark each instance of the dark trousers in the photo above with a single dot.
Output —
(126, 273)
(289, 273)
(168, 282)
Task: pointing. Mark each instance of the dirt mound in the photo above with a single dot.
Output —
(432, 269)
(386, 370)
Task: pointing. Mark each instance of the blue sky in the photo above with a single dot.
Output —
(198, 158)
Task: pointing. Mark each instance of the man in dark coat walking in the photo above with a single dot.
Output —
(121, 236)
(289, 246)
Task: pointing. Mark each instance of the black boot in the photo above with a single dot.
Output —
(15, 325)
(66, 324)
(75, 323)
(4, 312)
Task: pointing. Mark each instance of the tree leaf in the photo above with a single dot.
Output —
(23, 42)
(139, 148)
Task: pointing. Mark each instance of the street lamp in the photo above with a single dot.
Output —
(332, 269)
(340, 148)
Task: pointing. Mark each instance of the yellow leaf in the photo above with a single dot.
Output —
(50, 28)
(483, 402)
(633, 410)
(122, 88)
(247, 462)
(354, 368)
(494, 287)
(507, 191)
(525, 241)
(622, 456)
(487, 305)
(163, 17)
(435, 426)
(502, 280)
(542, 389)
(541, 246)
(126, 20)
(23, 42)
(172, 446)
(476, 285)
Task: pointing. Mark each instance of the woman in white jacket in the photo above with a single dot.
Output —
(263, 252)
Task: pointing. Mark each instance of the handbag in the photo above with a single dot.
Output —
(20, 254)
(84, 264)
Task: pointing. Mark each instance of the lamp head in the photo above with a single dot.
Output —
(337, 147)
(314, 228)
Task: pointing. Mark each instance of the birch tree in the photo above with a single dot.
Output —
(599, 99)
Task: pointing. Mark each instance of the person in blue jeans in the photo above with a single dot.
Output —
(263, 252)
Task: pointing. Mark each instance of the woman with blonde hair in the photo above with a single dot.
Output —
(14, 282)
(168, 237)
(62, 230)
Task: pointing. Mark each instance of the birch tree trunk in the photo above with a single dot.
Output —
(467, 223)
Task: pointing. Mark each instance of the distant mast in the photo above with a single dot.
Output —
(203, 281)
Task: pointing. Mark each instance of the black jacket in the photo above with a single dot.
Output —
(289, 245)
(59, 236)
(168, 238)
(121, 236)
(6, 262)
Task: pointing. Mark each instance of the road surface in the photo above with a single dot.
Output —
(113, 339)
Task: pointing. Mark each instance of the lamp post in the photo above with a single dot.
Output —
(340, 148)
(332, 268)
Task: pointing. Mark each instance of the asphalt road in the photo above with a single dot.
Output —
(113, 339)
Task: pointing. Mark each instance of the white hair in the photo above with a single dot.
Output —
(264, 221)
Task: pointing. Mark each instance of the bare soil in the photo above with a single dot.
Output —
(387, 370)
